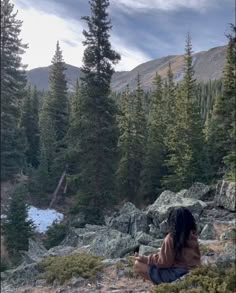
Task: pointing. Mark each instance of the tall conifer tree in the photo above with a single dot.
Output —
(221, 133)
(98, 126)
(125, 175)
(17, 228)
(155, 149)
(131, 147)
(185, 139)
(58, 101)
(54, 121)
(13, 83)
(73, 136)
(29, 123)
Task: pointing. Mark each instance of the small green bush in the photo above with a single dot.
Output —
(206, 279)
(54, 235)
(63, 268)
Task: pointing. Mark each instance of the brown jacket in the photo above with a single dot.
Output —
(190, 257)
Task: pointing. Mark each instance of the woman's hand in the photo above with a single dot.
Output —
(140, 258)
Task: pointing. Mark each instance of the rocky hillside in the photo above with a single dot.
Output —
(208, 65)
(125, 232)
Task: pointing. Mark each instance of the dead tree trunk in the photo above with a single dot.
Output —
(59, 185)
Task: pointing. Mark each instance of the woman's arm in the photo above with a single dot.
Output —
(166, 257)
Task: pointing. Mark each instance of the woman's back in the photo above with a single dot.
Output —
(189, 258)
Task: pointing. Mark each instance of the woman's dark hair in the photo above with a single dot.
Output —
(180, 223)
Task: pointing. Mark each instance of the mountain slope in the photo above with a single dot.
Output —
(207, 64)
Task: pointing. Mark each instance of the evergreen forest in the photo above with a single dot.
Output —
(110, 147)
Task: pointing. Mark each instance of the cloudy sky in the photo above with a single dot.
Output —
(142, 29)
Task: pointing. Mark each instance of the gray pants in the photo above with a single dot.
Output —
(167, 275)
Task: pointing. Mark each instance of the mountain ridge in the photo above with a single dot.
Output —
(208, 65)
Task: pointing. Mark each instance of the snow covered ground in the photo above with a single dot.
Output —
(43, 219)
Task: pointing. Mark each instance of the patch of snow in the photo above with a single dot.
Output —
(43, 219)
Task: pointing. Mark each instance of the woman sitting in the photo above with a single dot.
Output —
(179, 252)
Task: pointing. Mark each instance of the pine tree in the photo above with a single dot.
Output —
(75, 114)
(185, 139)
(29, 123)
(48, 143)
(155, 149)
(98, 126)
(35, 148)
(17, 229)
(230, 95)
(58, 101)
(13, 82)
(131, 146)
(54, 121)
(73, 136)
(125, 176)
(221, 133)
(169, 98)
(139, 135)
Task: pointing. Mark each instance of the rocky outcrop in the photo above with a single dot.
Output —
(147, 250)
(24, 274)
(168, 200)
(129, 220)
(78, 237)
(131, 230)
(198, 191)
(113, 244)
(36, 252)
(225, 195)
(208, 232)
(101, 241)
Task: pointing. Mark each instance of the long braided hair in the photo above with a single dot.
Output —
(180, 223)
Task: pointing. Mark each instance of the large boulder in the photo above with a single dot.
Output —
(156, 243)
(168, 200)
(197, 190)
(24, 274)
(113, 244)
(143, 238)
(79, 237)
(225, 195)
(154, 231)
(60, 251)
(36, 252)
(129, 220)
(208, 232)
(147, 250)
(78, 221)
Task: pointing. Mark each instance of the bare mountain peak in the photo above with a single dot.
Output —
(207, 64)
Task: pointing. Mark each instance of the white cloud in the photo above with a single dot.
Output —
(200, 5)
(130, 56)
(41, 31)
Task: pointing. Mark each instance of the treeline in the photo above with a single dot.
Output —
(128, 145)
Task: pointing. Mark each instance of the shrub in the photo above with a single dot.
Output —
(54, 235)
(206, 279)
(17, 228)
(63, 268)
